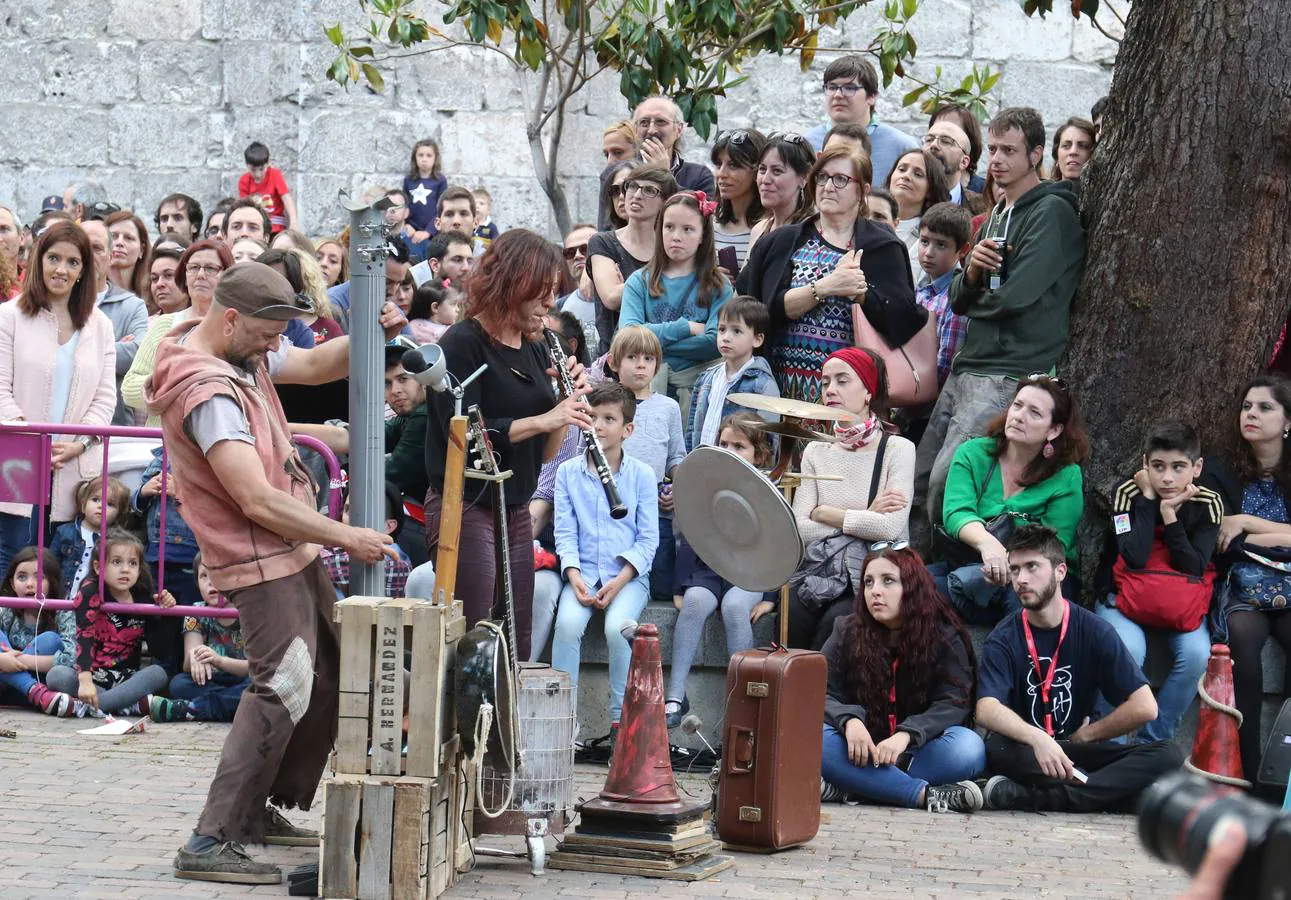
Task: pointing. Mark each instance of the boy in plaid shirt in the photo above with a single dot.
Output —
(337, 559)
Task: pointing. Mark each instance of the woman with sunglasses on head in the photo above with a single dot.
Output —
(839, 520)
(196, 275)
(735, 164)
(782, 171)
(1025, 470)
(614, 255)
(898, 707)
(813, 273)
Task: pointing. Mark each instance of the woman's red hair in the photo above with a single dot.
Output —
(518, 268)
(868, 651)
(220, 249)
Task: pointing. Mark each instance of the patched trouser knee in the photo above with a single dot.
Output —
(293, 680)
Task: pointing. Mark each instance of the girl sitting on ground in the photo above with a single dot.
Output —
(898, 720)
(32, 641)
(109, 673)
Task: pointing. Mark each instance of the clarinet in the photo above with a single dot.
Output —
(617, 508)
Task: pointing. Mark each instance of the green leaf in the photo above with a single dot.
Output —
(362, 50)
(374, 77)
(908, 8)
(914, 95)
(334, 34)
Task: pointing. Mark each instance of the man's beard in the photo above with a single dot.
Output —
(1040, 598)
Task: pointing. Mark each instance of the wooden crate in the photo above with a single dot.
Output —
(395, 838)
(375, 633)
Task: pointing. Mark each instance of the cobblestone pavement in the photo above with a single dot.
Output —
(101, 817)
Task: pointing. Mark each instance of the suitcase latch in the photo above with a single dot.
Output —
(757, 689)
(750, 814)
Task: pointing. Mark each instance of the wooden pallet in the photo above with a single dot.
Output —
(377, 634)
(395, 837)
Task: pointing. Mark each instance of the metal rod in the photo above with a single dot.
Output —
(367, 394)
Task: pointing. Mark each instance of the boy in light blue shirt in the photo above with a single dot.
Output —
(605, 561)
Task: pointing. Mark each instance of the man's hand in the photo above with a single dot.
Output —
(1144, 484)
(392, 320)
(985, 257)
(653, 152)
(367, 545)
(1051, 758)
(1227, 845)
(581, 592)
(889, 750)
(860, 746)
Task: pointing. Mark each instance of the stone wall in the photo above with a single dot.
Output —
(154, 96)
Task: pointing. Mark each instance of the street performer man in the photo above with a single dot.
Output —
(250, 502)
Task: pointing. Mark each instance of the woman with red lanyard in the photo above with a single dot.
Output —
(899, 705)
(811, 273)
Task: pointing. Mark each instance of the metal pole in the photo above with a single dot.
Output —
(367, 392)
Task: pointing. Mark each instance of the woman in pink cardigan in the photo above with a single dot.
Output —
(57, 364)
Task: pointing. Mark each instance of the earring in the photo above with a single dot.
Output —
(1286, 434)
(1047, 452)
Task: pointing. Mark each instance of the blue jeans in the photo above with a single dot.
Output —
(571, 622)
(16, 532)
(958, 754)
(215, 701)
(1190, 651)
(47, 643)
(979, 602)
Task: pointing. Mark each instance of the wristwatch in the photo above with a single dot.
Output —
(86, 441)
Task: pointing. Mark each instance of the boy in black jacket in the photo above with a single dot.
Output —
(1162, 578)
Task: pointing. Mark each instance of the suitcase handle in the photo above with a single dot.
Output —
(740, 760)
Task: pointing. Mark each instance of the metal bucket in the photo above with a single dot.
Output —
(544, 779)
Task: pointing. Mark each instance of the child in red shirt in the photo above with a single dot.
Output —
(266, 185)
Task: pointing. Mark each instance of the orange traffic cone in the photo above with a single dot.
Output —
(641, 781)
(1216, 754)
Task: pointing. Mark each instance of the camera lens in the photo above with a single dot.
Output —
(1179, 813)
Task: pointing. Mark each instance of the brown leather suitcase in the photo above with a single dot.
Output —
(769, 787)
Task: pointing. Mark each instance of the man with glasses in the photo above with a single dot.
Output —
(949, 143)
(851, 88)
(1015, 290)
(659, 127)
(576, 302)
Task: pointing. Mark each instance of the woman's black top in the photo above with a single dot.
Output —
(515, 386)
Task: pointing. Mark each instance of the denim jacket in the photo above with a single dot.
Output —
(181, 545)
(68, 547)
(755, 379)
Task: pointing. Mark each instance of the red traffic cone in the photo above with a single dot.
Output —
(641, 769)
(1216, 754)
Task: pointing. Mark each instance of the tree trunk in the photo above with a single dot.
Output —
(550, 184)
(1186, 204)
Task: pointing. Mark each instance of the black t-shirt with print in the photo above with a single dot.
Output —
(1092, 660)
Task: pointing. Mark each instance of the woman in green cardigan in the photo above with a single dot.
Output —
(1026, 469)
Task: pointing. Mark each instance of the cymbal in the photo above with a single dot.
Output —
(735, 519)
(793, 430)
(794, 409)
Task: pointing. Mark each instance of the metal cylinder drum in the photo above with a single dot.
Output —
(544, 780)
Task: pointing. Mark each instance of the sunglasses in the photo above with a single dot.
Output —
(576, 250)
(880, 546)
(787, 137)
(734, 137)
(1046, 378)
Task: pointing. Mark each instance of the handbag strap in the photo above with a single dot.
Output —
(995, 464)
(878, 469)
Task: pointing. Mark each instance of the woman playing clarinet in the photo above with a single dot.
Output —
(511, 288)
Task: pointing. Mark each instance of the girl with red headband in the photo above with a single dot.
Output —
(839, 520)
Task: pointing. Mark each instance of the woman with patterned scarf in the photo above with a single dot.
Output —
(840, 520)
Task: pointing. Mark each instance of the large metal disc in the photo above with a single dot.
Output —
(794, 409)
(736, 520)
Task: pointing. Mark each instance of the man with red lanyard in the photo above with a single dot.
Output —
(1041, 674)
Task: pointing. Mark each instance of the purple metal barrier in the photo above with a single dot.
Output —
(26, 473)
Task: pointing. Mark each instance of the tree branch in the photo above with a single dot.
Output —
(1101, 30)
